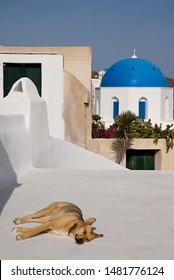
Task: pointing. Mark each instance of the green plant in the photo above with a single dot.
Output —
(97, 126)
(126, 127)
(167, 134)
(129, 126)
(124, 123)
(98, 129)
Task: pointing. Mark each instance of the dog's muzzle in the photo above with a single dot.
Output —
(79, 240)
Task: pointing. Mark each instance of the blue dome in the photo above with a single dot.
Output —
(133, 72)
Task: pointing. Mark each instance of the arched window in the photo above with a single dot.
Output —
(142, 109)
(166, 108)
(97, 108)
(115, 107)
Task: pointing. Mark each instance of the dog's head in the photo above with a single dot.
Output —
(84, 232)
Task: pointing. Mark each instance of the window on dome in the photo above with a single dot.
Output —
(115, 105)
(142, 109)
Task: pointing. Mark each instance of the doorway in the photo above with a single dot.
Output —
(15, 71)
(140, 159)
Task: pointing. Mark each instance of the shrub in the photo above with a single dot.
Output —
(127, 126)
(98, 129)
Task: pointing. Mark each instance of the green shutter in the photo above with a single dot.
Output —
(15, 71)
(33, 72)
(140, 159)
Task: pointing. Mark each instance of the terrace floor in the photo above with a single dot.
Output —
(134, 211)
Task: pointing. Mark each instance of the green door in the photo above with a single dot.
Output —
(140, 159)
(15, 71)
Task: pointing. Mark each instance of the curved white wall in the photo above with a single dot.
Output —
(25, 141)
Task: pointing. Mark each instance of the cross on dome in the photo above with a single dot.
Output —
(134, 55)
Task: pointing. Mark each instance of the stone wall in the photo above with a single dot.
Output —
(76, 111)
(163, 160)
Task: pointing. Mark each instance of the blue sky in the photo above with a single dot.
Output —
(113, 28)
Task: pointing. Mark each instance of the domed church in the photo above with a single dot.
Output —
(137, 85)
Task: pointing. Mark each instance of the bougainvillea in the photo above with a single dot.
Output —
(99, 131)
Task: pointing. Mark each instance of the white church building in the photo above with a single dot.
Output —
(137, 85)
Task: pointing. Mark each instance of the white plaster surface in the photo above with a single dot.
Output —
(25, 140)
(129, 99)
(15, 149)
(134, 211)
(52, 84)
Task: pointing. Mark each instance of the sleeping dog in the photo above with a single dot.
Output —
(61, 218)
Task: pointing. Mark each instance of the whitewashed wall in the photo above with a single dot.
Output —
(158, 110)
(52, 84)
(25, 141)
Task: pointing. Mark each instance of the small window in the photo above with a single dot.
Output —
(97, 111)
(115, 107)
(140, 159)
(166, 108)
(15, 71)
(142, 109)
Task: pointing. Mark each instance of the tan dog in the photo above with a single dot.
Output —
(61, 218)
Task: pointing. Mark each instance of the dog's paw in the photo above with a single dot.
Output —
(16, 221)
(18, 229)
(18, 237)
(14, 229)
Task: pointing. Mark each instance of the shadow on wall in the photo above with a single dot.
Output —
(8, 178)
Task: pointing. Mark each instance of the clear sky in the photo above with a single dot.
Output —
(113, 28)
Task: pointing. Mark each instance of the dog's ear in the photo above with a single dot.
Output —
(90, 221)
(98, 235)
